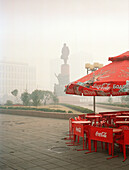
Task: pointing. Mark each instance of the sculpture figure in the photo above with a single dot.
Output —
(65, 53)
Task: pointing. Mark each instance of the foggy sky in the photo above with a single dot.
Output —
(34, 31)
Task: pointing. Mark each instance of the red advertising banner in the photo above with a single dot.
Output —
(79, 130)
(101, 134)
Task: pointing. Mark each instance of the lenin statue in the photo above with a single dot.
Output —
(65, 53)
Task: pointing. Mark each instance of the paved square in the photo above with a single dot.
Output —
(30, 143)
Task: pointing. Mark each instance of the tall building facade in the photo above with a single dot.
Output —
(16, 76)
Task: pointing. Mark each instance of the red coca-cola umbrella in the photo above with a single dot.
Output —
(112, 79)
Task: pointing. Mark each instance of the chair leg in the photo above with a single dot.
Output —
(86, 142)
(124, 151)
(112, 149)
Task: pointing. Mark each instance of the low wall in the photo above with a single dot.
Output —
(55, 115)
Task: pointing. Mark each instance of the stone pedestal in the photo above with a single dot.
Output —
(63, 79)
(65, 69)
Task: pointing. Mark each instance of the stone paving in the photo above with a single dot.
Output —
(30, 143)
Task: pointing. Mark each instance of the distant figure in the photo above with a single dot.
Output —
(65, 53)
(59, 78)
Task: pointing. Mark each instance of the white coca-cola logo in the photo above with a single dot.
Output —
(101, 134)
(116, 86)
(78, 129)
(104, 86)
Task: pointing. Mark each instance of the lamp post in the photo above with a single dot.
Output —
(91, 68)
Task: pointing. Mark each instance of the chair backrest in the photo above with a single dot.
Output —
(81, 116)
(76, 118)
(71, 119)
(78, 130)
(101, 134)
(70, 123)
(126, 137)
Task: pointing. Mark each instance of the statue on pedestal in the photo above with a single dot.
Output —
(65, 53)
(63, 77)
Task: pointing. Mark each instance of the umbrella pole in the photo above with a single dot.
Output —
(94, 103)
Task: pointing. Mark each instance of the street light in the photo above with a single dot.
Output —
(91, 68)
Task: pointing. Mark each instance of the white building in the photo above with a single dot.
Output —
(16, 76)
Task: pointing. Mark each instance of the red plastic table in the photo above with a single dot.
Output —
(103, 135)
(125, 113)
(123, 117)
(96, 118)
(116, 130)
(122, 122)
(109, 117)
(110, 150)
(82, 122)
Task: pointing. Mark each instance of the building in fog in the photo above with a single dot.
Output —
(16, 76)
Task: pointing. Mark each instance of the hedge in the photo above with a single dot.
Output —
(37, 109)
(77, 108)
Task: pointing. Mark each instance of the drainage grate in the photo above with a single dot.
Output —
(59, 149)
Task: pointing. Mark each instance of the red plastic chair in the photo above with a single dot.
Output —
(103, 135)
(70, 135)
(109, 122)
(120, 135)
(76, 118)
(81, 116)
(78, 131)
(123, 141)
(103, 123)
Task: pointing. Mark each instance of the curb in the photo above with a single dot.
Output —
(37, 113)
(113, 107)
